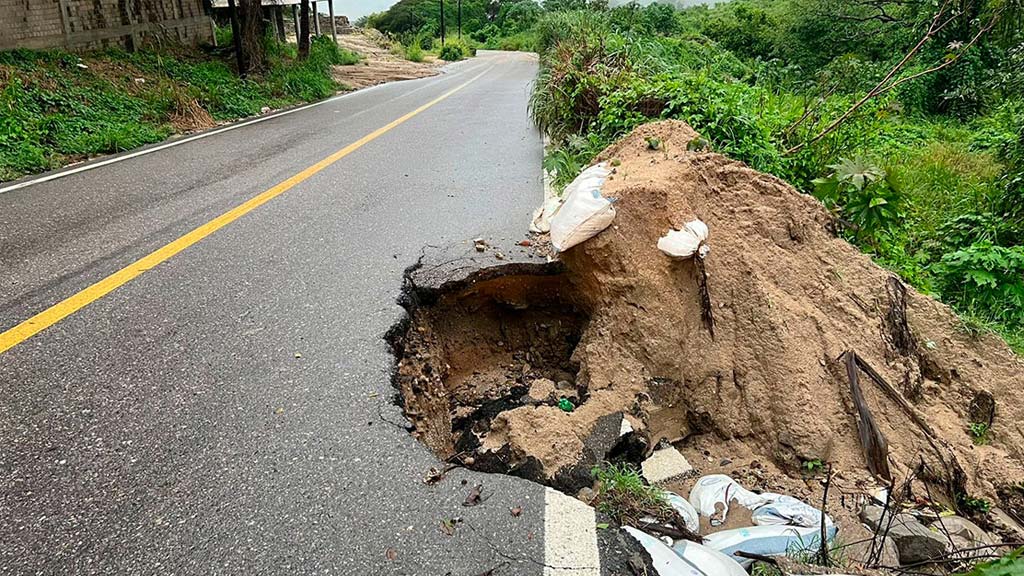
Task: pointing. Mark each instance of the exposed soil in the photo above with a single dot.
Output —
(378, 65)
(769, 392)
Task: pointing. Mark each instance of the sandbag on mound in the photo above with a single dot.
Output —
(712, 495)
(783, 510)
(767, 541)
(786, 298)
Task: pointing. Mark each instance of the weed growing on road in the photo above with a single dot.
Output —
(624, 497)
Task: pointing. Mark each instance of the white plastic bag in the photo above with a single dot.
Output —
(684, 243)
(719, 490)
(584, 211)
(685, 558)
(686, 511)
(766, 540)
(785, 510)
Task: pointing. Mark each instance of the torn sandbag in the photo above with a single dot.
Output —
(712, 494)
(584, 212)
(685, 511)
(783, 510)
(686, 242)
(767, 541)
(541, 222)
(685, 558)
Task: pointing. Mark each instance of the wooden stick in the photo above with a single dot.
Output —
(873, 442)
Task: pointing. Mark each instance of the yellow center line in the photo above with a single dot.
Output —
(76, 302)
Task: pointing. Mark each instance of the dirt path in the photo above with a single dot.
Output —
(379, 65)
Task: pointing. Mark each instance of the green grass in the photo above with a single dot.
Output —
(946, 216)
(623, 496)
(56, 111)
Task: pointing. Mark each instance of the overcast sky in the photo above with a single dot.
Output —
(356, 8)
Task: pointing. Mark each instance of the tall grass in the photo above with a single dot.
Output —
(56, 111)
(959, 185)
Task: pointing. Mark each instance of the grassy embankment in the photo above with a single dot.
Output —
(57, 108)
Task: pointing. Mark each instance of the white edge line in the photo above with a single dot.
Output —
(194, 137)
(570, 537)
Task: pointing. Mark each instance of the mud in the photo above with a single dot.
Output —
(378, 64)
(621, 324)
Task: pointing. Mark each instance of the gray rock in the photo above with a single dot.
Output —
(861, 552)
(914, 540)
(964, 529)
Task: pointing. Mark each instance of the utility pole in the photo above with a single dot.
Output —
(442, 23)
(334, 23)
(236, 35)
(460, 19)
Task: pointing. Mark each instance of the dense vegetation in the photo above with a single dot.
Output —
(502, 24)
(58, 107)
(924, 170)
(904, 117)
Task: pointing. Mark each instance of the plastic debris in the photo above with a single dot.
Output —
(584, 212)
(685, 558)
(767, 540)
(566, 405)
(686, 242)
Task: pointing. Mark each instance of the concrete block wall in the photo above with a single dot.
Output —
(84, 24)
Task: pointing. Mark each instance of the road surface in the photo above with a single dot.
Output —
(224, 407)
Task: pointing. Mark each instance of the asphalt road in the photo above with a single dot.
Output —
(229, 410)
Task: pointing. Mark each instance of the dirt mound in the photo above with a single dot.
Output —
(788, 299)
(378, 64)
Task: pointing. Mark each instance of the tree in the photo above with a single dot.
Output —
(254, 55)
(518, 15)
(304, 30)
(947, 16)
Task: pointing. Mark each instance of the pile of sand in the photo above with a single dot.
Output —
(788, 299)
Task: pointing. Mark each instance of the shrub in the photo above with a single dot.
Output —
(987, 280)
(413, 52)
(451, 52)
(861, 194)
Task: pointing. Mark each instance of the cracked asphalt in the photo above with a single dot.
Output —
(229, 411)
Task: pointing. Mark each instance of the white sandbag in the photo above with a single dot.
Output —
(685, 510)
(720, 490)
(695, 560)
(766, 540)
(584, 211)
(785, 510)
(686, 242)
(706, 560)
